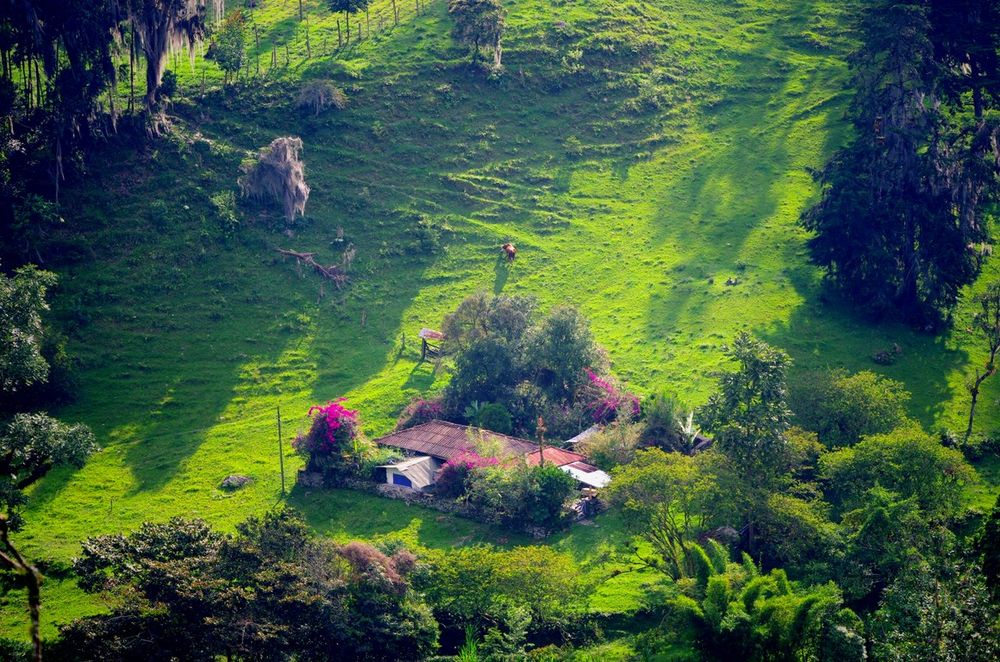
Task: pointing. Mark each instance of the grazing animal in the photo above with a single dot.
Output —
(509, 251)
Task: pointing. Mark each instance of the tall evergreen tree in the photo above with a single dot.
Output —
(901, 212)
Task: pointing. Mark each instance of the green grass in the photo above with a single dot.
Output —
(676, 159)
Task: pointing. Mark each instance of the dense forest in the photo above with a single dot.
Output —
(482, 330)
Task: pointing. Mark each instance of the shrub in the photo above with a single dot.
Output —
(334, 440)
(613, 446)
(168, 85)
(451, 479)
(522, 496)
(489, 416)
(660, 414)
(606, 402)
(225, 212)
(420, 410)
(318, 95)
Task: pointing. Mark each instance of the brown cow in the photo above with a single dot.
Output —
(509, 250)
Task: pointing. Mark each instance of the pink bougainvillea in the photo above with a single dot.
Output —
(607, 402)
(420, 411)
(333, 427)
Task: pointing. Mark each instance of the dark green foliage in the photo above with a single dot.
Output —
(903, 205)
(22, 302)
(30, 446)
(936, 611)
(988, 547)
(522, 496)
(478, 23)
(883, 536)
(228, 44)
(270, 592)
(558, 352)
(749, 415)
(663, 421)
(531, 369)
(486, 372)
(795, 532)
(489, 416)
(841, 408)
(168, 86)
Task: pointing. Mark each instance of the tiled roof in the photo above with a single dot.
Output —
(556, 456)
(445, 440)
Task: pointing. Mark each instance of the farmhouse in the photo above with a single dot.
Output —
(429, 445)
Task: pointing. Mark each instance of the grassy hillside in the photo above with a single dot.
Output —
(639, 154)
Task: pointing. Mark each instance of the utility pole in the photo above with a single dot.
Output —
(541, 442)
(281, 454)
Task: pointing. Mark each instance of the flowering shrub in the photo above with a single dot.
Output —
(607, 402)
(451, 477)
(420, 411)
(334, 438)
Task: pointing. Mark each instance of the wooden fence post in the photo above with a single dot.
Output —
(308, 48)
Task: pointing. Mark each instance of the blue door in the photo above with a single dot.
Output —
(399, 479)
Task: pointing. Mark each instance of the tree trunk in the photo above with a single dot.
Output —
(154, 70)
(974, 392)
(977, 90)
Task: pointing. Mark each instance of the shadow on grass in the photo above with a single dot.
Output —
(827, 331)
(347, 515)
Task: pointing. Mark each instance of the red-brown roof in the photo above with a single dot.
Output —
(556, 456)
(445, 440)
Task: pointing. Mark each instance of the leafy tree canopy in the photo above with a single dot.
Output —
(907, 461)
(22, 302)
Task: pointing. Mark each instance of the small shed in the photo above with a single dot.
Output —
(413, 472)
(587, 474)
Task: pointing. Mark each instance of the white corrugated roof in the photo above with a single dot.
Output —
(592, 430)
(596, 478)
(405, 464)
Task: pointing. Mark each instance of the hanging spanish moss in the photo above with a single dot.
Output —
(167, 26)
(278, 175)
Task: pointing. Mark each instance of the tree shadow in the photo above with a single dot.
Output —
(501, 270)
(825, 321)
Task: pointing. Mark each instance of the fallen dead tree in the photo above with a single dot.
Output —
(333, 272)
